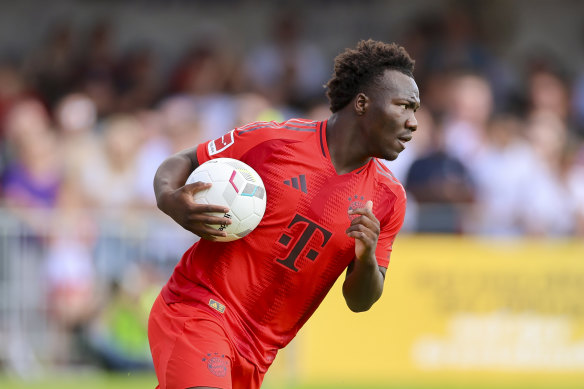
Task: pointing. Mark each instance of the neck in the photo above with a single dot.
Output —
(345, 143)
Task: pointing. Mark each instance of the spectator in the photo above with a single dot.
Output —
(442, 187)
(469, 109)
(114, 166)
(574, 175)
(76, 120)
(288, 70)
(117, 338)
(551, 209)
(547, 91)
(136, 81)
(54, 67)
(13, 89)
(203, 75)
(503, 169)
(33, 176)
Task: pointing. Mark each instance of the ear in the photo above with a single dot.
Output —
(361, 103)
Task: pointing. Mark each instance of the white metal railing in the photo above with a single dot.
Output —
(40, 249)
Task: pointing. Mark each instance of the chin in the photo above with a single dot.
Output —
(391, 156)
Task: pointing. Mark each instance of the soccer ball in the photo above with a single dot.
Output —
(237, 186)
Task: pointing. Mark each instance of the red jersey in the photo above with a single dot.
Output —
(267, 284)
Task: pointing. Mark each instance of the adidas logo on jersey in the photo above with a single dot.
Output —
(297, 183)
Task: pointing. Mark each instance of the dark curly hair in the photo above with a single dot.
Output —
(357, 68)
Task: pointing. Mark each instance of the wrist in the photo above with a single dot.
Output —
(368, 263)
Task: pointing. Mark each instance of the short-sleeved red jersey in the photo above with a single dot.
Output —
(267, 284)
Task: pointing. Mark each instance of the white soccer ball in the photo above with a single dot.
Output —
(237, 186)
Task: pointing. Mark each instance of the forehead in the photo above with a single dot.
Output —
(395, 84)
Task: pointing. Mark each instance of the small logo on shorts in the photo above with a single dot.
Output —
(216, 305)
(217, 364)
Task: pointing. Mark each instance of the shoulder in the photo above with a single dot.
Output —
(291, 129)
(258, 135)
(391, 197)
(386, 178)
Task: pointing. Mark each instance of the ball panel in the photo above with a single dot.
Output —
(237, 181)
(237, 186)
(219, 172)
(201, 175)
(242, 207)
(214, 195)
(259, 206)
(244, 233)
(229, 194)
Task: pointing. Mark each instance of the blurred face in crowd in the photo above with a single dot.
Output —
(547, 92)
(470, 99)
(547, 135)
(27, 119)
(76, 113)
(122, 140)
(389, 113)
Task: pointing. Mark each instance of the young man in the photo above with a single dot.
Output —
(229, 307)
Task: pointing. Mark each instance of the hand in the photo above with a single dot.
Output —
(365, 229)
(181, 207)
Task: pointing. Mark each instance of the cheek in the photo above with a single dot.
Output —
(393, 123)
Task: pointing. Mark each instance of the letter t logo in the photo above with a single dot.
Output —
(309, 230)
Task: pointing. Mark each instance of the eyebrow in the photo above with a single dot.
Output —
(412, 103)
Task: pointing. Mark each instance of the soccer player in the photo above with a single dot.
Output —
(332, 207)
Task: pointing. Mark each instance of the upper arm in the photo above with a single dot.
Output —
(190, 154)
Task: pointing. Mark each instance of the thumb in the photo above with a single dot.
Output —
(369, 205)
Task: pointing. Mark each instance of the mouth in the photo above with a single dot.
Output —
(403, 140)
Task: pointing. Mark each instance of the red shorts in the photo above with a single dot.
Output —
(190, 348)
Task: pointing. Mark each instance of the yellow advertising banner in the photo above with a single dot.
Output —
(456, 312)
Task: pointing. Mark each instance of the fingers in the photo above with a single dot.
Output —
(364, 227)
(208, 219)
(207, 232)
(366, 216)
(191, 189)
(197, 187)
(365, 240)
(360, 231)
(196, 209)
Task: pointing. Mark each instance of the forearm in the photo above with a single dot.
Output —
(363, 285)
(171, 175)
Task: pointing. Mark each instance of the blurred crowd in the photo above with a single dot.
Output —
(499, 151)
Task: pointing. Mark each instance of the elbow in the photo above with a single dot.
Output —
(359, 308)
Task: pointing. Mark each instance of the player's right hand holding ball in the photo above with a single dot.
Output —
(181, 207)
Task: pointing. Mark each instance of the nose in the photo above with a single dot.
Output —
(412, 123)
